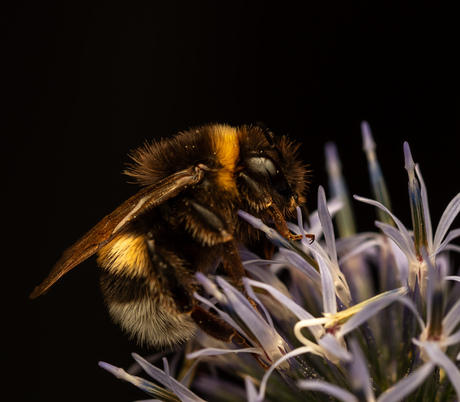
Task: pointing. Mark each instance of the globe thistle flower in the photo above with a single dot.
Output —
(368, 316)
(412, 243)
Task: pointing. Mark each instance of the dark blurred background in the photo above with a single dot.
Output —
(84, 84)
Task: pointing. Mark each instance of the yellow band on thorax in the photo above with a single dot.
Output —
(227, 151)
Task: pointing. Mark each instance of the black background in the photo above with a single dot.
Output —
(84, 84)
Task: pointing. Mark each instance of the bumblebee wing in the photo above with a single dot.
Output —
(106, 229)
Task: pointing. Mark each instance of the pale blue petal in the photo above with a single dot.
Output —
(452, 339)
(433, 286)
(452, 278)
(452, 318)
(149, 387)
(331, 344)
(349, 243)
(443, 263)
(149, 400)
(271, 342)
(210, 288)
(299, 219)
(377, 204)
(316, 248)
(371, 308)
(164, 378)
(274, 366)
(266, 271)
(341, 284)
(218, 352)
(250, 292)
(123, 375)
(438, 357)
(329, 389)
(300, 313)
(251, 390)
(453, 247)
(426, 209)
(453, 234)
(412, 307)
(404, 243)
(401, 260)
(222, 314)
(450, 213)
(300, 264)
(368, 139)
(334, 205)
(135, 369)
(315, 224)
(327, 286)
(326, 223)
(345, 221)
(271, 233)
(409, 164)
(358, 373)
(407, 385)
(360, 249)
(378, 185)
(336, 276)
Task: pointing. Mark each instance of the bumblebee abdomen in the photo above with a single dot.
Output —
(144, 312)
(147, 288)
(151, 324)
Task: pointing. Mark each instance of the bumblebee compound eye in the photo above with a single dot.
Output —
(267, 167)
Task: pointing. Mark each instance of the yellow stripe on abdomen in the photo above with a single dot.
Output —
(126, 255)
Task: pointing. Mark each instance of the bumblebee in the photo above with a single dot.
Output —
(183, 221)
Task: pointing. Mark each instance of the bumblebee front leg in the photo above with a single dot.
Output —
(232, 263)
(282, 227)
